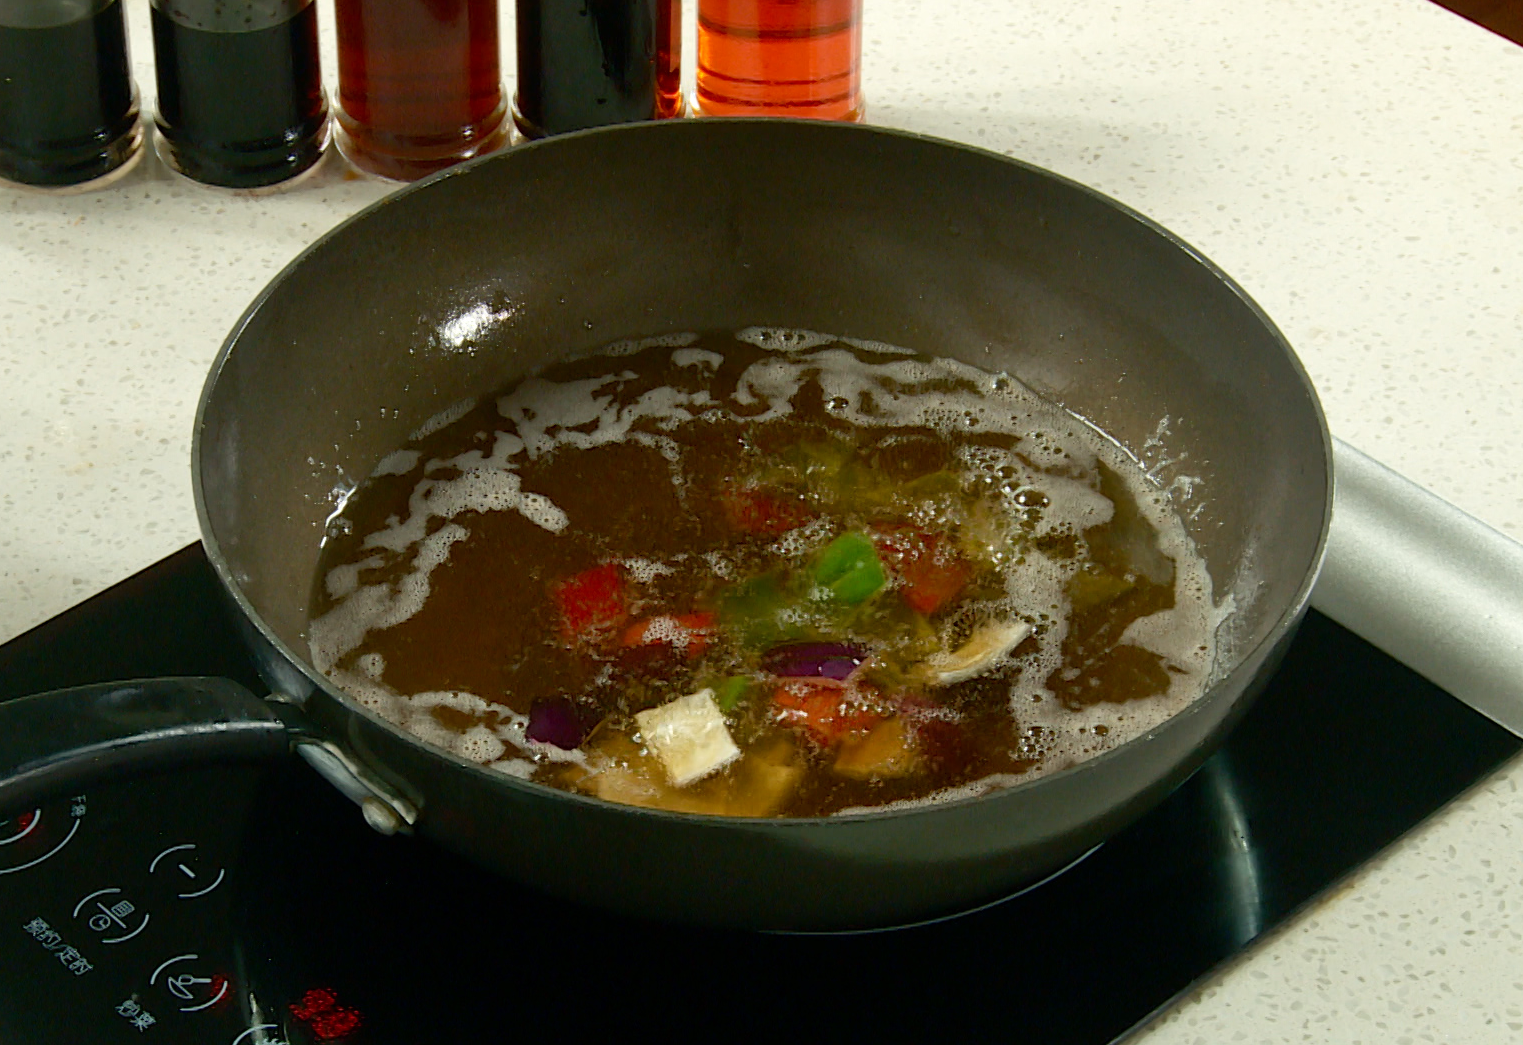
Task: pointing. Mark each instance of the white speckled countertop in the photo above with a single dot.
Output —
(1357, 166)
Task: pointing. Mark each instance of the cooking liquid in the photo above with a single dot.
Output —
(420, 84)
(68, 109)
(780, 58)
(240, 97)
(596, 62)
(433, 604)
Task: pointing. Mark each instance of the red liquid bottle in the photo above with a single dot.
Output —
(419, 84)
(780, 58)
(669, 60)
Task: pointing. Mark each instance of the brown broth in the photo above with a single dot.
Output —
(705, 499)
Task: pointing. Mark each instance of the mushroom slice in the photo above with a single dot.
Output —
(989, 642)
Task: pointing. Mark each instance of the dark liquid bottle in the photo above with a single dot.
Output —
(588, 63)
(419, 84)
(68, 110)
(780, 58)
(240, 89)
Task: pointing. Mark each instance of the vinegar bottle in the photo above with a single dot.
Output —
(240, 94)
(587, 63)
(780, 58)
(419, 84)
(68, 109)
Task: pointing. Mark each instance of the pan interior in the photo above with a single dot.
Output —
(449, 291)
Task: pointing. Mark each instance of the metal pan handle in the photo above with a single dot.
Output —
(51, 743)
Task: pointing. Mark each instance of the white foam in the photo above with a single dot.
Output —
(443, 419)
(377, 606)
(398, 463)
(629, 347)
(480, 745)
(521, 768)
(782, 339)
(643, 571)
(370, 693)
(343, 579)
(699, 357)
(879, 347)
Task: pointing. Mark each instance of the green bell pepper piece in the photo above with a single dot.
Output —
(849, 569)
(756, 612)
(729, 692)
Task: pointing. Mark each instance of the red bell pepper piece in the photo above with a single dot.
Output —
(592, 603)
(825, 712)
(930, 570)
(752, 510)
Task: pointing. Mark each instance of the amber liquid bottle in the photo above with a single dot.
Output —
(419, 84)
(780, 58)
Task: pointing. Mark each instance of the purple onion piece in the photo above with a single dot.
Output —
(824, 660)
(555, 722)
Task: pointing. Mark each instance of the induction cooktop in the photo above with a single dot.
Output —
(248, 904)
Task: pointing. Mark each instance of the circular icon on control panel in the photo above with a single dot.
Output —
(188, 984)
(113, 914)
(181, 860)
(33, 836)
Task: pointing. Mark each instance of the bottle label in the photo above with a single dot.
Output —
(230, 16)
(48, 14)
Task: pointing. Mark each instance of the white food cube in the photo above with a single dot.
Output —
(689, 737)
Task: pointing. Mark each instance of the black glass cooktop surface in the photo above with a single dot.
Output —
(247, 904)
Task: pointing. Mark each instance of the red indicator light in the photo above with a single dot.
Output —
(329, 1021)
(24, 821)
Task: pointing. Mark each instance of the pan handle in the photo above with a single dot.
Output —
(55, 742)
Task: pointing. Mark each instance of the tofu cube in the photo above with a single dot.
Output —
(689, 737)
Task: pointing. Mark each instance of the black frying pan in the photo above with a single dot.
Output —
(701, 225)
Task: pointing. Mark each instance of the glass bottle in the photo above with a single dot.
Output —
(780, 58)
(68, 108)
(588, 63)
(419, 84)
(240, 94)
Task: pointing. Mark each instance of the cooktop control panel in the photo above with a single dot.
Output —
(117, 903)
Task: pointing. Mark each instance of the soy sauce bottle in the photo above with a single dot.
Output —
(241, 100)
(68, 109)
(588, 63)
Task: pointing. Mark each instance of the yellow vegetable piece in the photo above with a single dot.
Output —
(885, 753)
(756, 785)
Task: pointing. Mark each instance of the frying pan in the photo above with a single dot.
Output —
(565, 245)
